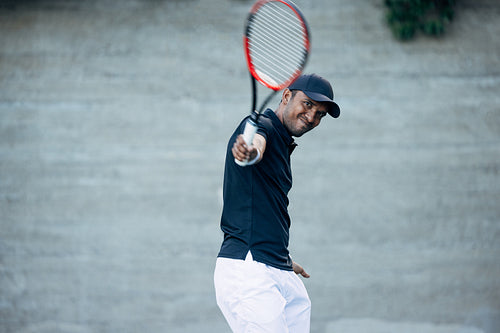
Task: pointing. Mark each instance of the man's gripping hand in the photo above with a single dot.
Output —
(242, 152)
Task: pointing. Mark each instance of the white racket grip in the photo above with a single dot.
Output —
(248, 134)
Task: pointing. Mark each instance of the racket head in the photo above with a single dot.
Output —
(276, 43)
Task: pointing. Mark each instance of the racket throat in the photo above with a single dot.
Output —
(254, 117)
(268, 98)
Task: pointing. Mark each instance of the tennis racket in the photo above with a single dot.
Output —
(276, 43)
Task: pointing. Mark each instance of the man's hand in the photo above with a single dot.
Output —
(242, 152)
(299, 270)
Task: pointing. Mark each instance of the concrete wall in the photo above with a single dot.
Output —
(114, 118)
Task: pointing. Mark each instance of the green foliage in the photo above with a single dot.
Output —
(407, 17)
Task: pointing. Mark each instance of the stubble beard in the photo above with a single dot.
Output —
(293, 129)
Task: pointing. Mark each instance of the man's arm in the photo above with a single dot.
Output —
(242, 152)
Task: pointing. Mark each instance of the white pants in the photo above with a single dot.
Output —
(255, 297)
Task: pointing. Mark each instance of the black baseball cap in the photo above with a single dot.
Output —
(318, 89)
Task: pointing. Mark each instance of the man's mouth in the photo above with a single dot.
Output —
(306, 124)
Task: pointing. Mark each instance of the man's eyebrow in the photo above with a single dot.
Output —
(310, 101)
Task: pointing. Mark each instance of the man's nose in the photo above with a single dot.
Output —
(310, 116)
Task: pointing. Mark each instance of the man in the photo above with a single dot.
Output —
(256, 282)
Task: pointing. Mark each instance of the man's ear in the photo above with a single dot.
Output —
(286, 96)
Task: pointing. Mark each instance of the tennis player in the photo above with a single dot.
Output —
(256, 281)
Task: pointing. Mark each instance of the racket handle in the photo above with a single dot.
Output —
(248, 134)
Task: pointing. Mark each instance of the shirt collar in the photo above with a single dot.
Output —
(281, 129)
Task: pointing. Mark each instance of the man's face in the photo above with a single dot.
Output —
(302, 114)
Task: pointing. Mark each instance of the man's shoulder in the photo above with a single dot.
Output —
(266, 119)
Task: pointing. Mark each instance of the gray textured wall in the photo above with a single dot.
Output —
(114, 118)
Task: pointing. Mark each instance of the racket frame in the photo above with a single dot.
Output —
(246, 42)
(252, 121)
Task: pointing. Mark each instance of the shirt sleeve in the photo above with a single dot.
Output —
(264, 126)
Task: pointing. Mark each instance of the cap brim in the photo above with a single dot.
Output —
(334, 109)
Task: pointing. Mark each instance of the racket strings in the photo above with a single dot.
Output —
(277, 43)
(280, 46)
(285, 21)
